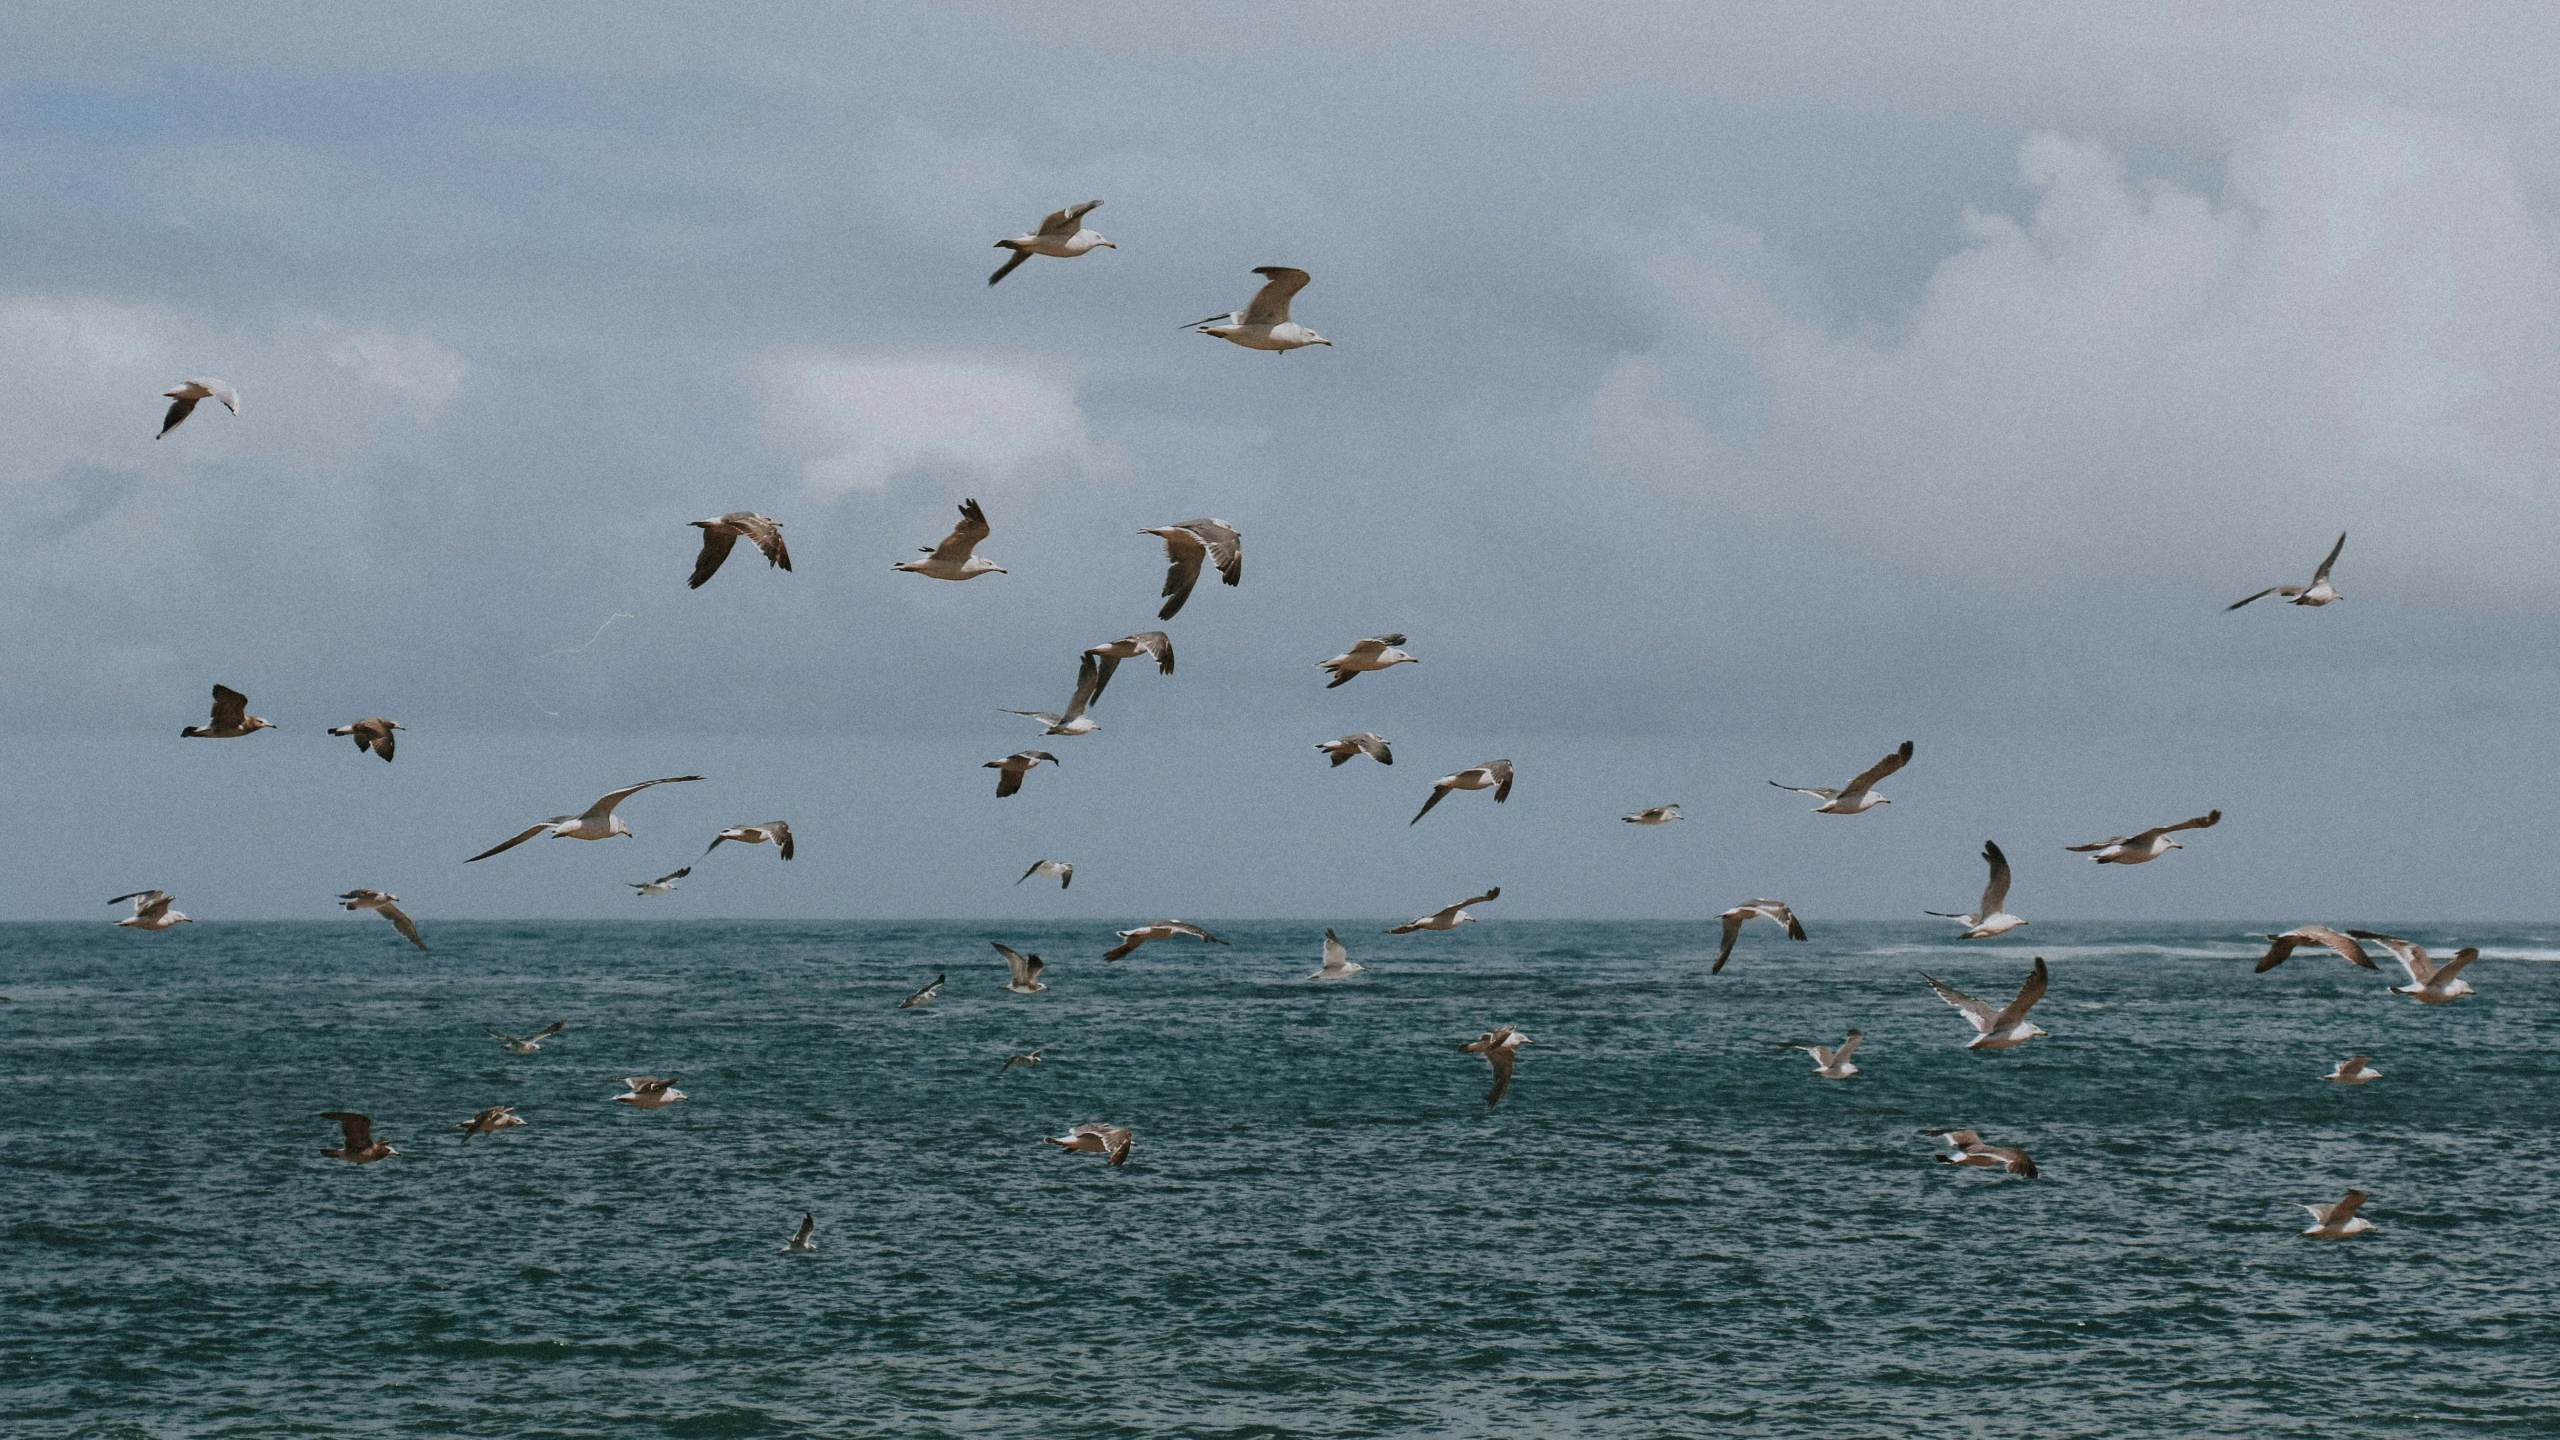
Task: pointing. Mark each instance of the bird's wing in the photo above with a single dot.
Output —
(604, 806)
(179, 409)
(145, 895)
(400, 920)
(1846, 1048)
(2344, 1210)
(1011, 262)
(716, 545)
(1184, 552)
(1500, 1055)
(2412, 958)
(1732, 930)
(1185, 927)
(520, 839)
(1868, 777)
(1008, 780)
(382, 738)
(1014, 961)
(964, 537)
(1980, 1012)
(1437, 791)
(547, 1031)
(2101, 844)
(1160, 645)
(808, 1224)
(2323, 572)
(1502, 775)
(2452, 967)
(2205, 821)
(1225, 545)
(358, 1128)
(780, 830)
(1101, 668)
(1270, 304)
(1365, 649)
(2026, 998)
(2344, 945)
(767, 533)
(1119, 1152)
(1376, 747)
(1034, 870)
(230, 707)
(2280, 948)
(230, 398)
(673, 875)
(1067, 221)
(2261, 595)
(1995, 894)
(1816, 791)
(1334, 954)
(2011, 1158)
(1493, 892)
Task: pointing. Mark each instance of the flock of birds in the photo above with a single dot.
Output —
(1192, 548)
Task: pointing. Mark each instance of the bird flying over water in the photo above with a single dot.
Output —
(150, 910)
(2281, 946)
(1028, 1057)
(1966, 1147)
(490, 1122)
(2354, 1070)
(1655, 815)
(2339, 1220)
(1106, 657)
(388, 905)
(800, 1242)
(1999, 1027)
(2144, 845)
(1740, 915)
(183, 396)
(1497, 1045)
(954, 559)
(1187, 546)
(372, 733)
(1831, 1062)
(529, 1044)
(776, 833)
(231, 718)
(1858, 796)
(1264, 323)
(1367, 743)
(1494, 775)
(1156, 930)
(1378, 652)
(359, 1147)
(1025, 968)
(1014, 767)
(663, 885)
(2319, 592)
(1337, 961)
(1448, 917)
(1062, 235)
(1992, 918)
(1072, 720)
(1111, 1140)
(2429, 983)
(648, 1092)
(924, 996)
(720, 535)
(1065, 870)
(597, 823)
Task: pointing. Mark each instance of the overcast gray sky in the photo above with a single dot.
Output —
(1720, 394)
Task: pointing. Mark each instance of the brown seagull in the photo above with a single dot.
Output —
(720, 536)
(360, 1148)
(389, 906)
(231, 718)
(1187, 545)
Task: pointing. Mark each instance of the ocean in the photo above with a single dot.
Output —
(1668, 1227)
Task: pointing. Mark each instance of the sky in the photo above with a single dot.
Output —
(1720, 394)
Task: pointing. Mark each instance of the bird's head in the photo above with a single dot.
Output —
(1105, 244)
(389, 1150)
(2168, 844)
(254, 723)
(1315, 339)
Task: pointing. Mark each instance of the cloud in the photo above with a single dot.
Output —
(2141, 379)
(858, 423)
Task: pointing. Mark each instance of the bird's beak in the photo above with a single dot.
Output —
(1107, 245)
(1001, 570)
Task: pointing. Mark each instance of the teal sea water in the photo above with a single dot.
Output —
(1669, 1227)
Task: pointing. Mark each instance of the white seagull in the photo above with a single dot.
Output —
(924, 996)
(952, 559)
(1026, 969)
(648, 1092)
(2279, 947)
(1831, 1062)
(1337, 961)
(388, 906)
(1028, 1057)
(598, 823)
(2429, 983)
(529, 1044)
(2354, 1070)
(2319, 592)
(1992, 918)
(2144, 845)
(1493, 775)
(1858, 796)
(1264, 323)
(1967, 1147)
(1065, 870)
(800, 1243)
(1073, 720)
(720, 535)
(1062, 235)
(1111, 1140)
(2338, 1221)
(1189, 545)
(1367, 742)
(1498, 1045)
(1448, 917)
(372, 733)
(1378, 652)
(1156, 930)
(1655, 815)
(663, 885)
(1999, 1027)
(1015, 766)
(1106, 657)
(1740, 915)
(776, 833)
(183, 396)
(150, 910)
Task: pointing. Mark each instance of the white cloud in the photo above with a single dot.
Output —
(2141, 379)
(857, 423)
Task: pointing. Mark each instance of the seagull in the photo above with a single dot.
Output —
(2337, 1222)
(389, 905)
(2144, 845)
(951, 559)
(2000, 1027)
(800, 1243)
(720, 536)
(360, 1147)
(1857, 797)
(1494, 775)
(1831, 1062)
(1966, 1147)
(1367, 743)
(231, 718)
(150, 910)
(1108, 655)
(1030, 1057)
(925, 996)
(1111, 1140)
(1073, 721)
(1156, 930)
(1264, 323)
(1991, 919)
(490, 1121)
(183, 397)
(2429, 983)
(1655, 815)
(1735, 918)
(598, 823)
(1015, 766)
(1062, 234)
(648, 1092)
(663, 885)
(2318, 592)
(1187, 546)
(1065, 870)
(1448, 917)
(529, 1044)
(776, 833)
(1497, 1045)
(2354, 1070)
(2281, 946)
(1378, 652)
(1025, 968)
(373, 733)
(1337, 961)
